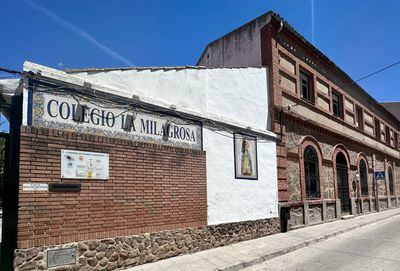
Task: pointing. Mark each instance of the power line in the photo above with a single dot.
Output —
(98, 101)
(10, 71)
(381, 70)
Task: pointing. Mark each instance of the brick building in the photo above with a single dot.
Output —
(187, 159)
(332, 134)
(119, 167)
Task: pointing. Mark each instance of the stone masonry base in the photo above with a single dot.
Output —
(121, 252)
(312, 213)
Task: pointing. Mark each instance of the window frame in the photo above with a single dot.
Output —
(387, 135)
(312, 179)
(310, 88)
(339, 104)
(377, 129)
(359, 117)
(363, 181)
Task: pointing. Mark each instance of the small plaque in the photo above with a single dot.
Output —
(32, 187)
(62, 256)
(84, 165)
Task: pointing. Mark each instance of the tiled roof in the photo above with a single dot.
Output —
(155, 68)
(134, 68)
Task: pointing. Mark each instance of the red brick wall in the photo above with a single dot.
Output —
(151, 188)
(305, 59)
(270, 54)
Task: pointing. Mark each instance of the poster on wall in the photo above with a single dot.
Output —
(245, 151)
(84, 165)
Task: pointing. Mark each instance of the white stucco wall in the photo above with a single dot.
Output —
(237, 94)
(233, 200)
(219, 92)
(184, 87)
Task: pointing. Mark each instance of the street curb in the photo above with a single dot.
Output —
(257, 260)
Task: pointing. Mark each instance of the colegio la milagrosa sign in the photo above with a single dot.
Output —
(58, 111)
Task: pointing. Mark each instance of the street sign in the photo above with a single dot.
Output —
(379, 175)
(35, 187)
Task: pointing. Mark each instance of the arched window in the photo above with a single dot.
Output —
(311, 172)
(362, 167)
(391, 184)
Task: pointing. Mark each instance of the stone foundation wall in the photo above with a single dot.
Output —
(383, 204)
(330, 211)
(296, 216)
(315, 214)
(366, 207)
(123, 252)
(373, 206)
(393, 203)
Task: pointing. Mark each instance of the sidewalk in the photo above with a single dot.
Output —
(238, 256)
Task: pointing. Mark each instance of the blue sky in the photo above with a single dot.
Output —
(359, 36)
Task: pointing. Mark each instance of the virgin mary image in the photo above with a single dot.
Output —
(246, 163)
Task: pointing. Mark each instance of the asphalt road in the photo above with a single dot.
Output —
(373, 247)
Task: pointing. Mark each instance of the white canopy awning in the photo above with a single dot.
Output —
(8, 87)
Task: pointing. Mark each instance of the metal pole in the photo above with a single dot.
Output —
(10, 192)
(359, 193)
(376, 194)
